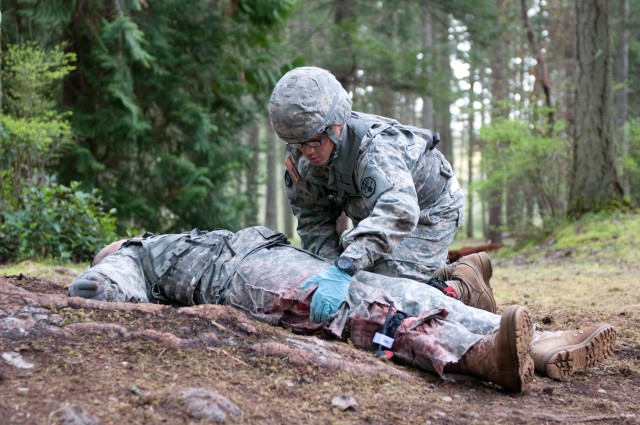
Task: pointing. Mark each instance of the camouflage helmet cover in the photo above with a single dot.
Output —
(305, 102)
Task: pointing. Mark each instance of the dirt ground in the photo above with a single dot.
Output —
(89, 363)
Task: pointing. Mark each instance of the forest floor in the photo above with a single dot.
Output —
(91, 362)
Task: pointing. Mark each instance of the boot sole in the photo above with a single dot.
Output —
(517, 324)
(562, 363)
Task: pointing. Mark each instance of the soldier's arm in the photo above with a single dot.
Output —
(117, 277)
(317, 219)
(388, 191)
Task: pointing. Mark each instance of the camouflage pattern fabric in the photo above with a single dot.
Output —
(260, 274)
(440, 329)
(405, 217)
(127, 277)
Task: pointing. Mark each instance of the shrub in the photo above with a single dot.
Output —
(58, 222)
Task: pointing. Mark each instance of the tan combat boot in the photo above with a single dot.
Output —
(559, 354)
(470, 276)
(503, 356)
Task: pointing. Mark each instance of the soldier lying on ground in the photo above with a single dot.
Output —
(256, 271)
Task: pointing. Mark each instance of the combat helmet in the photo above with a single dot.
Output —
(305, 102)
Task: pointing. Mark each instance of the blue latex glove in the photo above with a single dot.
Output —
(333, 285)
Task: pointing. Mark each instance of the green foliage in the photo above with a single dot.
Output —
(56, 221)
(32, 130)
(534, 167)
(30, 74)
(26, 146)
(39, 219)
(158, 86)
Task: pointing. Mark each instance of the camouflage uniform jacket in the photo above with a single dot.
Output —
(383, 176)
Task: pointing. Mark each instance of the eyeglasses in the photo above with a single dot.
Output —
(313, 143)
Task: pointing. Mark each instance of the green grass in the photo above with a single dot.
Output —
(591, 263)
(595, 237)
(49, 270)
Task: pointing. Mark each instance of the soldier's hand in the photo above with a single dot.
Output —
(333, 286)
(90, 285)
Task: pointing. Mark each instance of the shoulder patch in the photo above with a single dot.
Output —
(292, 172)
(373, 183)
(368, 187)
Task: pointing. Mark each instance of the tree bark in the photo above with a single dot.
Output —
(542, 72)
(499, 90)
(289, 227)
(622, 75)
(274, 181)
(426, 37)
(622, 65)
(479, 145)
(252, 175)
(442, 99)
(595, 183)
(346, 74)
(472, 141)
(0, 56)
(345, 69)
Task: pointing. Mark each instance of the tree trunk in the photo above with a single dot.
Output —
(0, 56)
(542, 73)
(426, 37)
(344, 69)
(499, 90)
(253, 142)
(622, 75)
(472, 138)
(479, 145)
(595, 182)
(274, 181)
(346, 74)
(289, 226)
(514, 199)
(561, 27)
(442, 99)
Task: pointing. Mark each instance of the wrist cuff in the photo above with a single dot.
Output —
(346, 265)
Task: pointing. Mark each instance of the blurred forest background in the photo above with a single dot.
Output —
(123, 116)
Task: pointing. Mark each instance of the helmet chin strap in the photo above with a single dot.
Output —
(337, 141)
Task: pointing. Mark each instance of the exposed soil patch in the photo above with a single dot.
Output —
(69, 359)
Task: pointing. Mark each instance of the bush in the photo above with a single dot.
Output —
(40, 219)
(58, 222)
